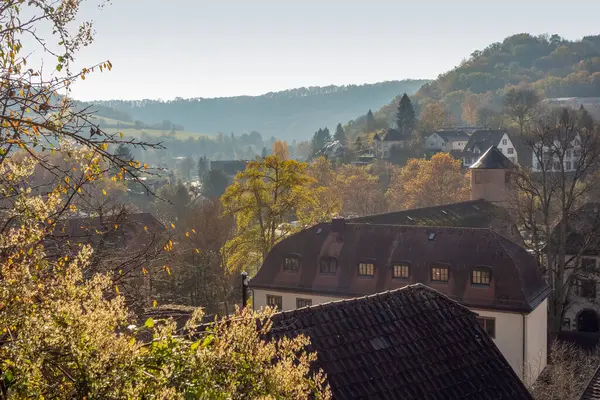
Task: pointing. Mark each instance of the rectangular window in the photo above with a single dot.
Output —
(588, 264)
(301, 303)
(477, 176)
(510, 150)
(291, 264)
(504, 142)
(328, 265)
(439, 274)
(568, 166)
(275, 301)
(366, 269)
(401, 271)
(481, 276)
(587, 288)
(488, 325)
(577, 152)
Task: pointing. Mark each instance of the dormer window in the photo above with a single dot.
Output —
(366, 268)
(401, 271)
(291, 263)
(481, 276)
(439, 273)
(328, 265)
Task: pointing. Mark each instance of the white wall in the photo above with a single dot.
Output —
(536, 345)
(509, 336)
(259, 299)
(434, 142)
(504, 148)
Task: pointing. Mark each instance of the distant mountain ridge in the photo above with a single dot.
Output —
(290, 114)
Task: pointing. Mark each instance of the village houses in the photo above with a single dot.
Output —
(468, 251)
(390, 138)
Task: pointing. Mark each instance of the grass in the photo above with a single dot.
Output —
(129, 131)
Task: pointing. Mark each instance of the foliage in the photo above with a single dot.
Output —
(319, 140)
(340, 135)
(358, 191)
(173, 201)
(405, 117)
(186, 167)
(424, 183)
(263, 199)
(370, 122)
(280, 149)
(520, 105)
(433, 117)
(214, 183)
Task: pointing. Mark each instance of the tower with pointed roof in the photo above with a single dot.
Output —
(491, 177)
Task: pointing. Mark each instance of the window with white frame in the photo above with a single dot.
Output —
(366, 268)
(504, 142)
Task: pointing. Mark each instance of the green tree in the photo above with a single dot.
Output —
(405, 116)
(123, 152)
(371, 124)
(520, 105)
(319, 140)
(340, 135)
(264, 199)
(214, 183)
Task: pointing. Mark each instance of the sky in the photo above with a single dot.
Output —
(201, 48)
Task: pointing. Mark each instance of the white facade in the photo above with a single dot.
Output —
(522, 338)
(572, 156)
(505, 145)
(437, 142)
(382, 148)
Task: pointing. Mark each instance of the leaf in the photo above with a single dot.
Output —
(207, 340)
(104, 192)
(173, 226)
(154, 303)
(117, 289)
(195, 345)
(150, 322)
(121, 135)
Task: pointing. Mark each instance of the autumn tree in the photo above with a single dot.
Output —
(433, 117)
(264, 200)
(565, 145)
(280, 149)
(488, 118)
(424, 183)
(405, 116)
(327, 202)
(470, 106)
(358, 190)
(520, 105)
(66, 335)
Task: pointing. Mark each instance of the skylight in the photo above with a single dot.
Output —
(431, 236)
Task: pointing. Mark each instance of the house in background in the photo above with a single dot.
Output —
(410, 343)
(446, 141)
(482, 140)
(384, 142)
(549, 159)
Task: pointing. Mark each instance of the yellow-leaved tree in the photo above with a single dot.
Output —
(425, 183)
(65, 334)
(265, 199)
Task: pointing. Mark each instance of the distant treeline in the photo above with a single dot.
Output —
(288, 114)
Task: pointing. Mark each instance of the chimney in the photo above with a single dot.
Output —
(245, 284)
(338, 225)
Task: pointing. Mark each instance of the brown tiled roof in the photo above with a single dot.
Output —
(412, 343)
(516, 283)
(493, 159)
(471, 214)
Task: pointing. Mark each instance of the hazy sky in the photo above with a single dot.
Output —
(200, 48)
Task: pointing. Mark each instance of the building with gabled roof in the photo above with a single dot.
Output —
(388, 139)
(446, 141)
(410, 343)
(482, 140)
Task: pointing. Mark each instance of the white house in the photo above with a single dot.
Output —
(446, 141)
(542, 154)
(481, 140)
(383, 144)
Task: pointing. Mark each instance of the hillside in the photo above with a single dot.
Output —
(290, 114)
(552, 65)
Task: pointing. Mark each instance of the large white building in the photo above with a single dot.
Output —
(481, 140)
(450, 248)
(547, 157)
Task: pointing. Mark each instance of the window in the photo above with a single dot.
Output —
(431, 236)
(328, 265)
(510, 150)
(577, 152)
(301, 303)
(588, 264)
(481, 276)
(439, 274)
(504, 142)
(586, 288)
(401, 271)
(366, 269)
(568, 166)
(477, 176)
(488, 325)
(275, 301)
(569, 154)
(291, 263)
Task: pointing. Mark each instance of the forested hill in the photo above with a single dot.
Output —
(552, 65)
(290, 114)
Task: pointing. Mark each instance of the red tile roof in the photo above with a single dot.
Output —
(412, 343)
(516, 283)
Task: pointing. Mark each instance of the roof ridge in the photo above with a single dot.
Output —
(415, 286)
(425, 227)
(425, 208)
